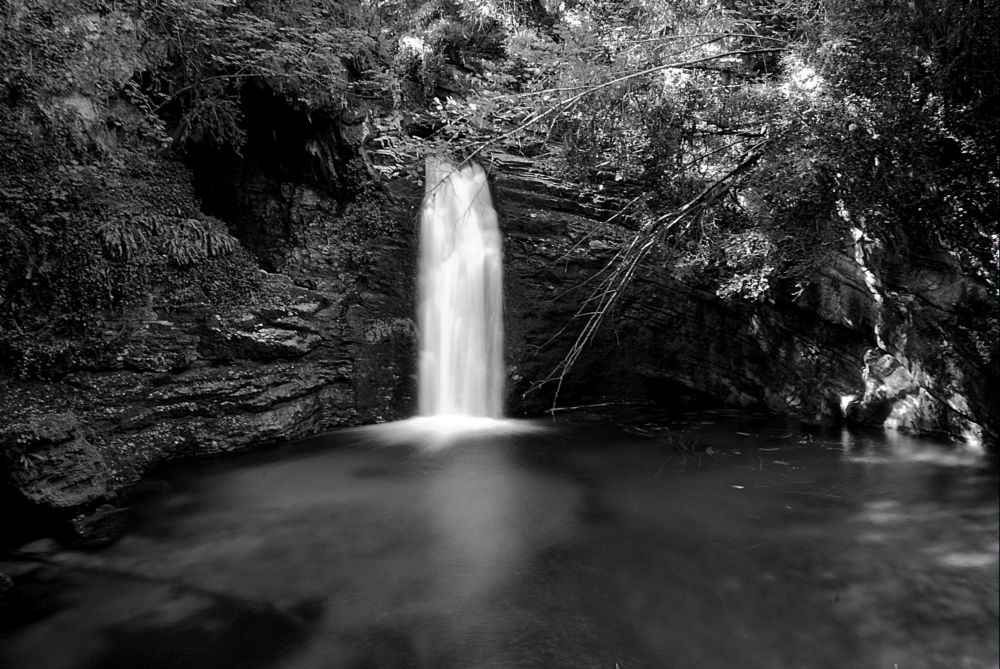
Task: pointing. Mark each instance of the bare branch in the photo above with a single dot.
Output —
(564, 105)
(623, 267)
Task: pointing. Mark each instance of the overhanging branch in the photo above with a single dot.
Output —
(621, 269)
(563, 105)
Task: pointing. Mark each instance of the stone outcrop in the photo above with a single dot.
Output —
(324, 339)
(322, 346)
(872, 342)
(52, 463)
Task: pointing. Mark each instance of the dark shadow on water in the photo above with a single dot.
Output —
(223, 633)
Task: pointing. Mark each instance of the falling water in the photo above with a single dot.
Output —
(461, 295)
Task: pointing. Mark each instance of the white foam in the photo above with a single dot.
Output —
(436, 432)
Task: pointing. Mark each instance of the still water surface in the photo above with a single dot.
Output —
(719, 543)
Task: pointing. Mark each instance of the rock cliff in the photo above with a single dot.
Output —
(876, 340)
(328, 338)
(324, 339)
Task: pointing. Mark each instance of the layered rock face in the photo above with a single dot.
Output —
(327, 341)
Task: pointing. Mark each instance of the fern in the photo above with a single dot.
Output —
(182, 242)
(190, 241)
(124, 239)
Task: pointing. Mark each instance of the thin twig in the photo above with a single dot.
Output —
(624, 265)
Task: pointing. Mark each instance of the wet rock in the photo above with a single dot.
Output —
(46, 430)
(290, 364)
(260, 343)
(322, 339)
(887, 385)
(98, 528)
(52, 465)
(6, 583)
(279, 329)
(159, 346)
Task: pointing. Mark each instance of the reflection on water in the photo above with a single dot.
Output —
(731, 545)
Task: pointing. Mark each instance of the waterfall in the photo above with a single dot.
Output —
(461, 363)
(461, 369)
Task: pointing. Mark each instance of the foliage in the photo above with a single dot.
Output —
(853, 114)
(184, 63)
(182, 242)
(84, 239)
(742, 140)
(69, 61)
(320, 55)
(94, 218)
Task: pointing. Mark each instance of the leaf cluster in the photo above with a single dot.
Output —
(748, 141)
(318, 55)
(183, 242)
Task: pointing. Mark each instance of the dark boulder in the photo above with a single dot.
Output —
(51, 464)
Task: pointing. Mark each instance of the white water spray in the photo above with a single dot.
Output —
(461, 371)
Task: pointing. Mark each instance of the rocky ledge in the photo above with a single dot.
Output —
(293, 364)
